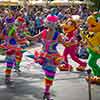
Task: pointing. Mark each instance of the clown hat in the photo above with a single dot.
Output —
(52, 19)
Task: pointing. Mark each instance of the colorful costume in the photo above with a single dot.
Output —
(10, 44)
(13, 49)
(52, 56)
(49, 57)
(93, 42)
(50, 65)
(21, 31)
(71, 42)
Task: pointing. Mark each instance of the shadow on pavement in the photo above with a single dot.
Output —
(27, 87)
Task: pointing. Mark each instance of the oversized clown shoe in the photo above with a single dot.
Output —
(93, 43)
(71, 42)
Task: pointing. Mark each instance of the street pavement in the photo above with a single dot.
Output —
(29, 84)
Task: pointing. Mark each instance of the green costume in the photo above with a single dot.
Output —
(92, 62)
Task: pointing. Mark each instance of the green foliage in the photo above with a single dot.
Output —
(96, 4)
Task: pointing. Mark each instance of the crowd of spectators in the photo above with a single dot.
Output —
(35, 16)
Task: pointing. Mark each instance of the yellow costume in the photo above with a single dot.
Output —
(93, 43)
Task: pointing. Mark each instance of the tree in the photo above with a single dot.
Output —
(96, 4)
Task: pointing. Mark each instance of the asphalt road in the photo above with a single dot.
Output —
(29, 84)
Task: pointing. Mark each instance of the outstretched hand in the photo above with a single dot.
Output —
(34, 38)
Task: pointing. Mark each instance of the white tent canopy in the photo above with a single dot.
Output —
(44, 2)
(65, 2)
(8, 0)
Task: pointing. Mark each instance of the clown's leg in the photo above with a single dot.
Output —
(82, 65)
(92, 61)
(8, 71)
(49, 77)
(18, 60)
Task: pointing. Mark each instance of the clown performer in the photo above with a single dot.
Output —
(71, 42)
(49, 57)
(11, 46)
(21, 31)
(92, 39)
(9, 43)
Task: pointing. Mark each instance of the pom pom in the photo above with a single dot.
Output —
(10, 20)
(12, 41)
(20, 19)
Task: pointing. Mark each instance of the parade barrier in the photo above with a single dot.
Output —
(89, 84)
